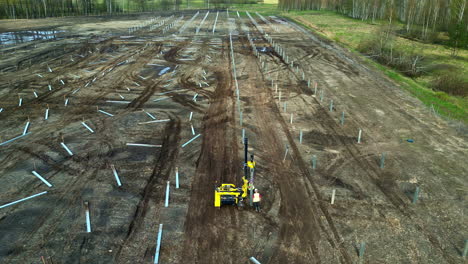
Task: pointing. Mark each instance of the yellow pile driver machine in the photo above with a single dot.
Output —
(228, 193)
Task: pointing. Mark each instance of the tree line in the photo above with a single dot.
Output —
(421, 17)
(15, 9)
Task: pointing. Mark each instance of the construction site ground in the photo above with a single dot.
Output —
(116, 74)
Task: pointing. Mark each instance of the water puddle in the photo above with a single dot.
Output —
(18, 37)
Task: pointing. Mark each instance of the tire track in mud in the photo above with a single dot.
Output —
(328, 123)
(186, 84)
(81, 247)
(151, 89)
(295, 233)
(291, 196)
(389, 189)
(144, 56)
(170, 56)
(144, 96)
(215, 235)
(41, 222)
(57, 100)
(208, 236)
(73, 116)
(361, 75)
(58, 71)
(79, 164)
(303, 170)
(95, 99)
(46, 222)
(165, 162)
(182, 100)
(334, 238)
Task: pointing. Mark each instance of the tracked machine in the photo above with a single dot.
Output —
(228, 193)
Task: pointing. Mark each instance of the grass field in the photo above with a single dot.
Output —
(351, 32)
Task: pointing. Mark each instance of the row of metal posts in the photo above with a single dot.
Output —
(281, 51)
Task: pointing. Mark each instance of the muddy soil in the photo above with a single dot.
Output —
(161, 79)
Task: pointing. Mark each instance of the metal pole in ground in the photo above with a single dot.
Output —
(416, 195)
(193, 130)
(286, 152)
(158, 244)
(88, 221)
(116, 175)
(465, 251)
(87, 127)
(185, 144)
(177, 178)
(362, 249)
(166, 204)
(333, 196)
(252, 171)
(382, 160)
(22, 200)
(26, 127)
(342, 118)
(254, 260)
(240, 118)
(41, 178)
(67, 149)
(47, 113)
(246, 154)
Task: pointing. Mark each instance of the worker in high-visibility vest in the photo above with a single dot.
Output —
(256, 200)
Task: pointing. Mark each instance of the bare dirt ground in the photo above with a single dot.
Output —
(175, 69)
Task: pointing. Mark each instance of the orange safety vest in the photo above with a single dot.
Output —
(256, 197)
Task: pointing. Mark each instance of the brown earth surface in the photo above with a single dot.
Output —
(169, 70)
